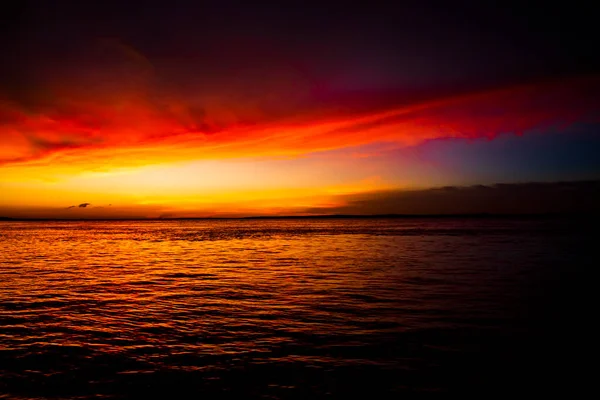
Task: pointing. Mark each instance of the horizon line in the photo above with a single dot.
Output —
(324, 216)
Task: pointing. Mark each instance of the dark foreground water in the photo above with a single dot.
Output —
(290, 309)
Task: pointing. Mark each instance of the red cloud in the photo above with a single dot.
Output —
(134, 126)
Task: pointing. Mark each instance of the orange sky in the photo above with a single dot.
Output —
(129, 151)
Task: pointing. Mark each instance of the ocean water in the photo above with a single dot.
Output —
(282, 309)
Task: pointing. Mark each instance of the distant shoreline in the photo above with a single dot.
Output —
(327, 216)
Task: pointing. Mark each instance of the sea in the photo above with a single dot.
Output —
(296, 308)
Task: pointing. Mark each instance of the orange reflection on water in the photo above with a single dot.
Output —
(146, 297)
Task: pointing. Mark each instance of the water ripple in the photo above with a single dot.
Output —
(272, 309)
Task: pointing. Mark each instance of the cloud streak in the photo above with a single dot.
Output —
(112, 126)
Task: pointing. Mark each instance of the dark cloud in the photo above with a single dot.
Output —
(406, 45)
(82, 205)
(518, 198)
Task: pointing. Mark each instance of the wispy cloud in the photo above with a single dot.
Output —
(81, 131)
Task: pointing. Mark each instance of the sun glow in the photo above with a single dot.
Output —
(141, 155)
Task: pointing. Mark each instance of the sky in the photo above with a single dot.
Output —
(220, 108)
